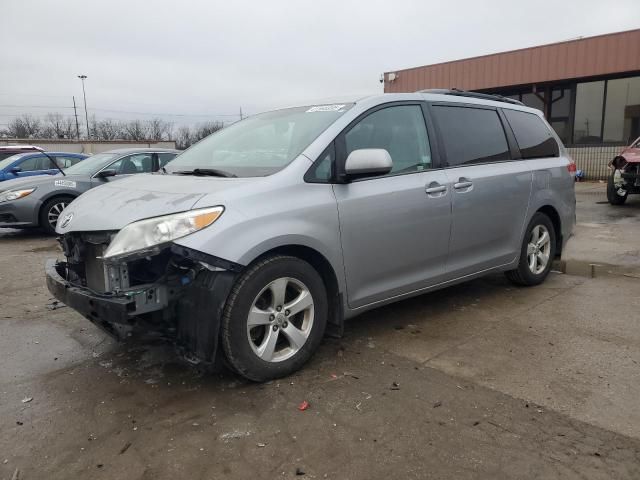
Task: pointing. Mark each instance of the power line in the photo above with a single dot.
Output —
(34, 106)
(128, 112)
(167, 114)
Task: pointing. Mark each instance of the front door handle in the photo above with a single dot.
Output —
(438, 189)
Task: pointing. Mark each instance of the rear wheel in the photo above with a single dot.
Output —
(51, 211)
(613, 196)
(537, 253)
(274, 318)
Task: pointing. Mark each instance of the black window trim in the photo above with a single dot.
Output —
(514, 151)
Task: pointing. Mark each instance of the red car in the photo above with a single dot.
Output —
(625, 175)
(10, 150)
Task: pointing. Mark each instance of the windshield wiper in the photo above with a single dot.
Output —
(206, 172)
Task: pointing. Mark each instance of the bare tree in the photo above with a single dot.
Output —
(186, 136)
(108, 129)
(158, 129)
(24, 126)
(205, 129)
(57, 126)
(136, 130)
(183, 137)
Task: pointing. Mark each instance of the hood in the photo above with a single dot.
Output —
(116, 204)
(631, 155)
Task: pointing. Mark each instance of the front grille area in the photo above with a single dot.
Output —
(7, 218)
(94, 268)
(631, 174)
(86, 267)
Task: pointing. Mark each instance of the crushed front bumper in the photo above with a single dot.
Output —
(190, 312)
(112, 313)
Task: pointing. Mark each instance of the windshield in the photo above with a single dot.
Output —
(260, 145)
(8, 159)
(92, 164)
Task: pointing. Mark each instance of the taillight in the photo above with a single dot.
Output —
(571, 167)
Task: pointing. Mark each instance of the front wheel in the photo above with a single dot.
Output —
(274, 318)
(537, 252)
(613, 196)
(51, 211)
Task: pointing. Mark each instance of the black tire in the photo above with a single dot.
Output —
(612, 195)
(523, 275)
(47, 208)
(235, 339)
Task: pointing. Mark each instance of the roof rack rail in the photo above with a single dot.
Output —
(464, 93)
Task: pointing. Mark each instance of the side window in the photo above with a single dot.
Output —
(31, 164)
(66, 162)
(138, 163)
(471, 135)
(533, 137)
(164, 158)
(400, 130)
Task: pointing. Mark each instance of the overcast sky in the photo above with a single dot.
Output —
(191, 61)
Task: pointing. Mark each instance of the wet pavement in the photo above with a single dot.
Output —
(482, 380)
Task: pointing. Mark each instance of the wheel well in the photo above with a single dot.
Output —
(552, 213)
(324, 268)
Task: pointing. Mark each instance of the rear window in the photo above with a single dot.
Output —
(533, 137)
(471, 135)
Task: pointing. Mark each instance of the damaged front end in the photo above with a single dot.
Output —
(626, 176)
(172, 290)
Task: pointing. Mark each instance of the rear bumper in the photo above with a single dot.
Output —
(111, 313)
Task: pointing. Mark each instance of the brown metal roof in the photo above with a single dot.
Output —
(587, 57)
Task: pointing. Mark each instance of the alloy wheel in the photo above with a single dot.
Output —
(280, 319)
(538, 249)
(54, 213)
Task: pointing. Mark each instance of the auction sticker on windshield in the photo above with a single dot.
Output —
(326, 108)
(65, 183)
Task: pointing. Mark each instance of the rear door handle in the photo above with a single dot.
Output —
(462, 184)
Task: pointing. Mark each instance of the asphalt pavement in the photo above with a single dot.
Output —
(480, 380)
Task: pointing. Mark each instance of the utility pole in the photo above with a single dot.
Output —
(86, 115)
(241, 117)
(75, 112)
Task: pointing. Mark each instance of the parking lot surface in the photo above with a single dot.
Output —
(481, 380)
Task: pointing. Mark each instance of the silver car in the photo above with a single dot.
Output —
(37, 201)
(265, 236)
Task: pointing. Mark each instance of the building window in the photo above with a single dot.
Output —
(534, 100)
(561, 112)
(622, 111)
(588, 118)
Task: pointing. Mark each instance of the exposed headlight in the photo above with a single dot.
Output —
(152, 232)
(15, 194)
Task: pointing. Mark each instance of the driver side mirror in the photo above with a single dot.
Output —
(16, 170)
(106, 173)
(368, 162)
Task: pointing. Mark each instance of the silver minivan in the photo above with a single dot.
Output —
(262, 238)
